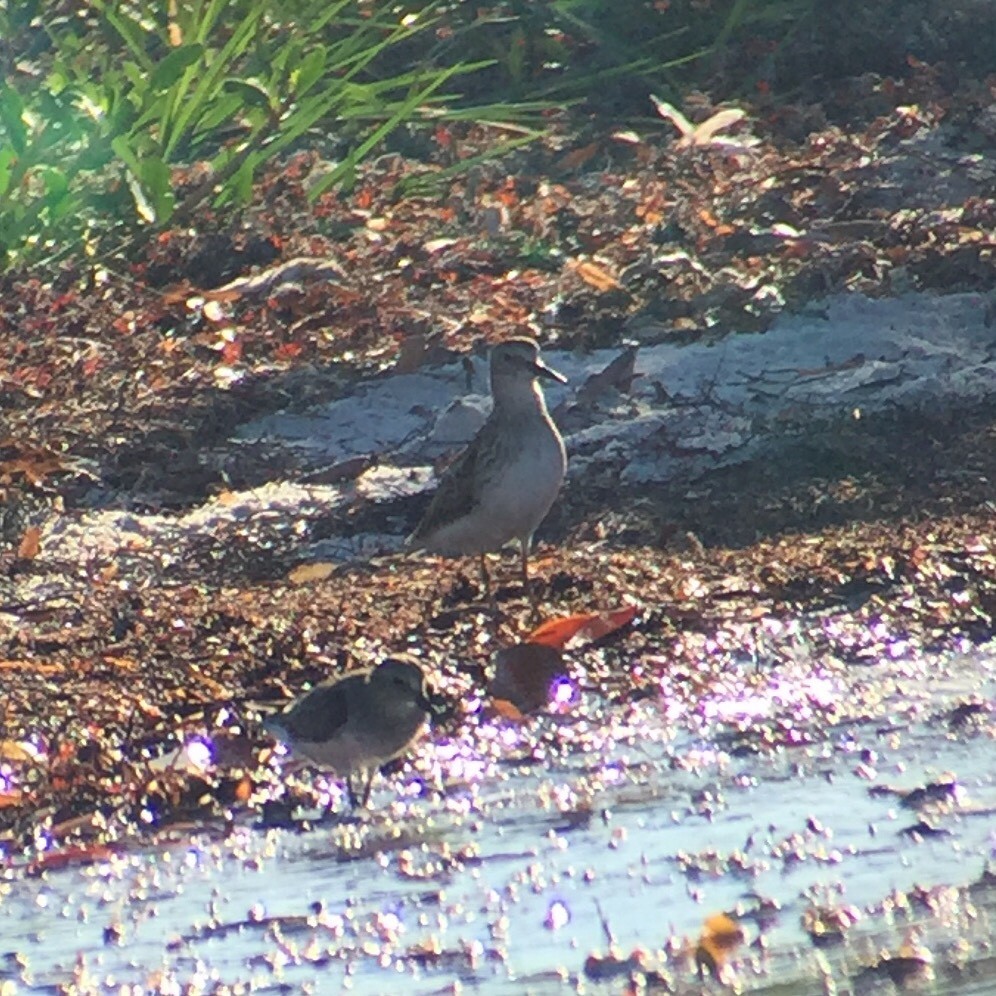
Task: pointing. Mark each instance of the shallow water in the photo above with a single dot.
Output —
(532, 852)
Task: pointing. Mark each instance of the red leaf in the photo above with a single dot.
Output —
(232, 351)
(288, 350)
(587, 626)
(74, 855)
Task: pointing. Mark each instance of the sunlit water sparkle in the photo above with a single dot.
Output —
(496, 861)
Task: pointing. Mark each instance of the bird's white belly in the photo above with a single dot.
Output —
(517, 502)
(511, 503)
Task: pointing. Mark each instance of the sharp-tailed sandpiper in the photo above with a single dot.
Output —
(501, 487)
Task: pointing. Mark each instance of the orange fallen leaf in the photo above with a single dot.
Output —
(17, 752)
(708, 218)
(307, 573)
(506, 710)
(38, 667)
(30, 545)
(597, 276)
(243, 790)
(11, 799)
(587, 626)
(108, 572)
(721, 936)
(123, 663)
(288, 350)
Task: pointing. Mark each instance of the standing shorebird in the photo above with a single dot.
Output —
(501, 487)
(354, 724)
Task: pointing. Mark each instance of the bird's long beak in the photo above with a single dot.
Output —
(540, 369)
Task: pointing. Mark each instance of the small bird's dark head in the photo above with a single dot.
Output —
(404, 677)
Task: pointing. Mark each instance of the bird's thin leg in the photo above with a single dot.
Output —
(359, 790)
(524, 545)
(366, 788)
(486, 583)
(354, 799)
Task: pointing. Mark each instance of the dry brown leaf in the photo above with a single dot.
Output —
(310, 573)
(14, 752)
(174, 294)
(30, 545)
(108, 572)
(411, 356)
(618, 374)
(345, 470)
(122, 663)
(577, 157)
(437, 245)
(587, 626)
(87, 824)
(74, 855)
(31, 466)
(524, 674)
(595, 275)
(721, 936)
(39, 667)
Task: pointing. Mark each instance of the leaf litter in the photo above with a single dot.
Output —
(762, 590)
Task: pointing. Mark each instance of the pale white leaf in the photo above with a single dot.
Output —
(671, 113)
(703, 133)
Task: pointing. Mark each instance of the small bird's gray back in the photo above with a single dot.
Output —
(356, 723)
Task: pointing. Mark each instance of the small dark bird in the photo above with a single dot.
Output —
(355, 724)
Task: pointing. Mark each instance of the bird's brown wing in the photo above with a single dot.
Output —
(458, 492)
